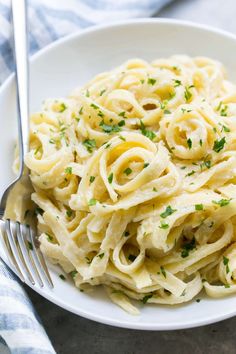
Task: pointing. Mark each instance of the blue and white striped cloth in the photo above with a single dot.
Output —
(20, 329)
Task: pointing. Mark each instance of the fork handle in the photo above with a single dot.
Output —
(19, 17)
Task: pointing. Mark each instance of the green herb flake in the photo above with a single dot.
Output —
(73, 273)
(68, 170)
(146, 298)
(102, 92)
(187, 93)
(126, 233)
(166, 111)
(225, 129)
(190, 173)
(198, 300)
(163, 225)
(49, 237)
(222, 202)
(227, 286)
(226, 264)
(62, 277)
(200, 142)
(128, 171)
(92, 202)
(148, 133)
(219, 145)
(91, 179)
(146, 164)
(189, 143)
(101, 255)
(109, 129)
(151, 81)
(167, 212)
(90, 145)
(63, 107)
(121, 123)
(122, 114)
(110, 178)
(177, 83)
(94, 106)
(163, 272)
(198, 206)
(187, 247)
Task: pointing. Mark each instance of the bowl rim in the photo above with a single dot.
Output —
(50, 295)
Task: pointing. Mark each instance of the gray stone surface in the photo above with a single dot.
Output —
(71, 334)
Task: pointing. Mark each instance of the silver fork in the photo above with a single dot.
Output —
(19, 240)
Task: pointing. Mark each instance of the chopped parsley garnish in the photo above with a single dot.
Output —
(49, 237)
(163, 225)
(63, 107)
(90, 144)
(151, 81)
(93, 105)
(227, 286)
(122, 114)
(102, 92)
(198, 206)
(121, 123)
(200, 142)
(226, 263)
(146, 164)
(187, 247)
(198, 300)
(187, 93)
(148, 133)
(146, 298)
(62, 277)
(92, 202)
(68, 170)
(154, 189)
(91, 179)
(166, 111)
(110, 178)
(109, 129)
(101, 255)
(225, 129)
(126, 233)
(73, 273)
(69, 213)
(223, 111)
(189, 142)
(190, 173)
(177, 83)
(100, 114)
(122, 138)
(219, 144)
(128, 171)
(163, 272)
(81, 111)
(87, 93)
(131, 257)
(52, 141)
(207, 164)
(167, 212)
(88, 260)
(222, 202)
(37, 150)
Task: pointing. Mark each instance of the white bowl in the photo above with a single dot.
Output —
(72, 61)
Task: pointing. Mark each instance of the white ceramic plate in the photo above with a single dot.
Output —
(72, 61)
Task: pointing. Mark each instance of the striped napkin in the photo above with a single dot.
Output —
(20, 329)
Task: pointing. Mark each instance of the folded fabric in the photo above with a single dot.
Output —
(20, 329)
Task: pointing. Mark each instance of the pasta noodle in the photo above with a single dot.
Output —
(134, 179)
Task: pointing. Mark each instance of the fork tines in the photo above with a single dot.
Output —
(23, 253)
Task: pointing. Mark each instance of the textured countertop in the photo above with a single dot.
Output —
(71, 334)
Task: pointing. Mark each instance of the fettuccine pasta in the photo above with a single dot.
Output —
(134, 179)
